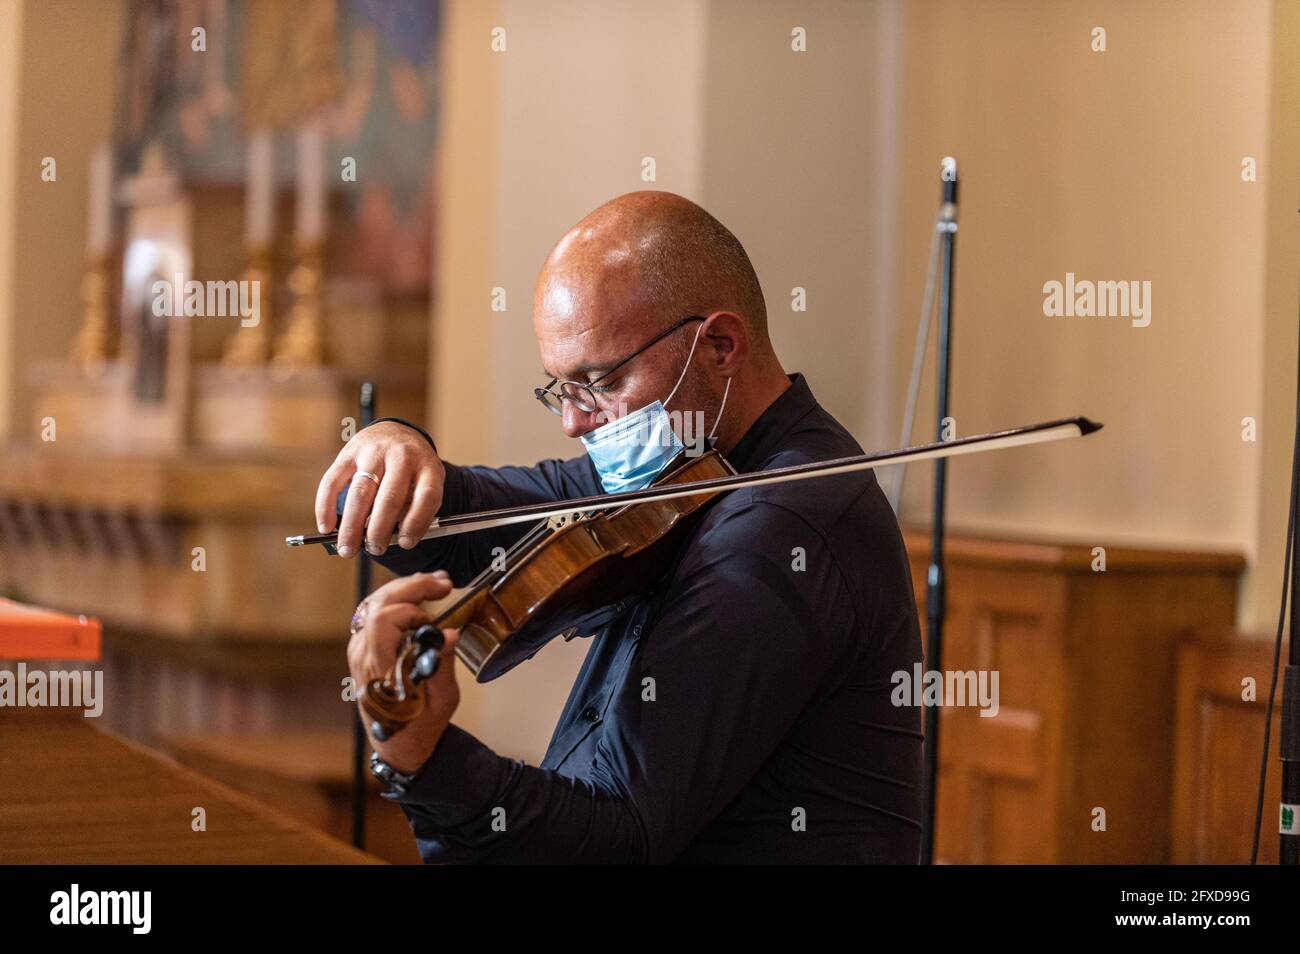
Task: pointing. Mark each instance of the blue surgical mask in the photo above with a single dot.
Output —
(631, 452)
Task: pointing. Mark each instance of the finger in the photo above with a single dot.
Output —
(426, 501)
(361, 496)
(383, 635)
(444, 677)
(355, 652)
(448, 652)
(390, 498)
(412, 589)
(327, 492)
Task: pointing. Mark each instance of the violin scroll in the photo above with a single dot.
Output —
(398, 698)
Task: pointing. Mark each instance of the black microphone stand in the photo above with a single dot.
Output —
(1289, 743)
(360, 745)
(1288, 849)
(1289, 811)
(935, 595)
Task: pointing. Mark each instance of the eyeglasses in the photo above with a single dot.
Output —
(581, 395)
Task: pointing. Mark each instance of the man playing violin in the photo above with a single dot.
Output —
(740, 710)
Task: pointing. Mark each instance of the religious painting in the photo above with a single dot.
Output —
(200, 78)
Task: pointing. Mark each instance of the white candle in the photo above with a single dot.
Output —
(259, 190)
(99, 228)
(310, 208)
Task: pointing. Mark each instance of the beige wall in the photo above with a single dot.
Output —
(535, 138)
(541, 134)
(11, 31)
(1281, 252)
(466, 167)
(1123, 164)
(67, 51)
(800, 161)
(1117, 165)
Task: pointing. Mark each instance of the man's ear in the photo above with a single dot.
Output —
(728, 336)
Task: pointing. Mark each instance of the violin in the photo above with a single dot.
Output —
(593, 551)
(576, 562)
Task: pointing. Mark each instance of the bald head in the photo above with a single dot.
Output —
(632, 268)
(665, 256)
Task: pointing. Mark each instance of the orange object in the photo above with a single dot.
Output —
(30, 632)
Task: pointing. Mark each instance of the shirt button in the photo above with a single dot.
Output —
(620, 607)
(636, 630)
(590, 714)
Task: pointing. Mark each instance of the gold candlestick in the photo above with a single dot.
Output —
(90, 348)
(249, 346)
(302, 344)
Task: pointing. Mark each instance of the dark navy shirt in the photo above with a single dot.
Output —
(739, 712)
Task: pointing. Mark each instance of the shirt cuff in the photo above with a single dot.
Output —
(415, 427)
(461, 780)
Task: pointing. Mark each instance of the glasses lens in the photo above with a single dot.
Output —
(581, 397)
(549, 400)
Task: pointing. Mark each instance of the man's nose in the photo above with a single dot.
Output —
(577, 421)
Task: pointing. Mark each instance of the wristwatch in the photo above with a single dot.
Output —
(396, 782)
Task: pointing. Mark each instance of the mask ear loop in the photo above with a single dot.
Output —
(682, 377)
(721, 408)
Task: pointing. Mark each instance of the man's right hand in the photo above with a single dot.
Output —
(409, 489)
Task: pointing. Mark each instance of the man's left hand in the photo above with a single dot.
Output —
(390, 611)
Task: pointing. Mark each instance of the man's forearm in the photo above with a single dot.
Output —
(468, 804)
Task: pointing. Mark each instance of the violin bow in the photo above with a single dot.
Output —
(1062, 429)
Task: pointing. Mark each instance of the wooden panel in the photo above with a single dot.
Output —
(989, 550)
(1123, 632)
(996, 769)
(1014, 817)
(306, 773)
(1220, 738)
(1085, 660)
(115, 535)
(73, 794)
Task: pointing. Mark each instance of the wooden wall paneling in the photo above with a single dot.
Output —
(1219, 741)
(1086, 678)
(1123, 632)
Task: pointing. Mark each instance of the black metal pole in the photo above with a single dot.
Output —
(360, 746)
(1288, 852)
(935, 594)
(1288, 849)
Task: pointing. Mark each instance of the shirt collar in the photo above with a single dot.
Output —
(764, 437)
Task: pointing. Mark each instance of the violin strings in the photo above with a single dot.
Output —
(481, 580)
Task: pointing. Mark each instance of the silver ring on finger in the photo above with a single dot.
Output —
(359, 616)
(369, 476)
